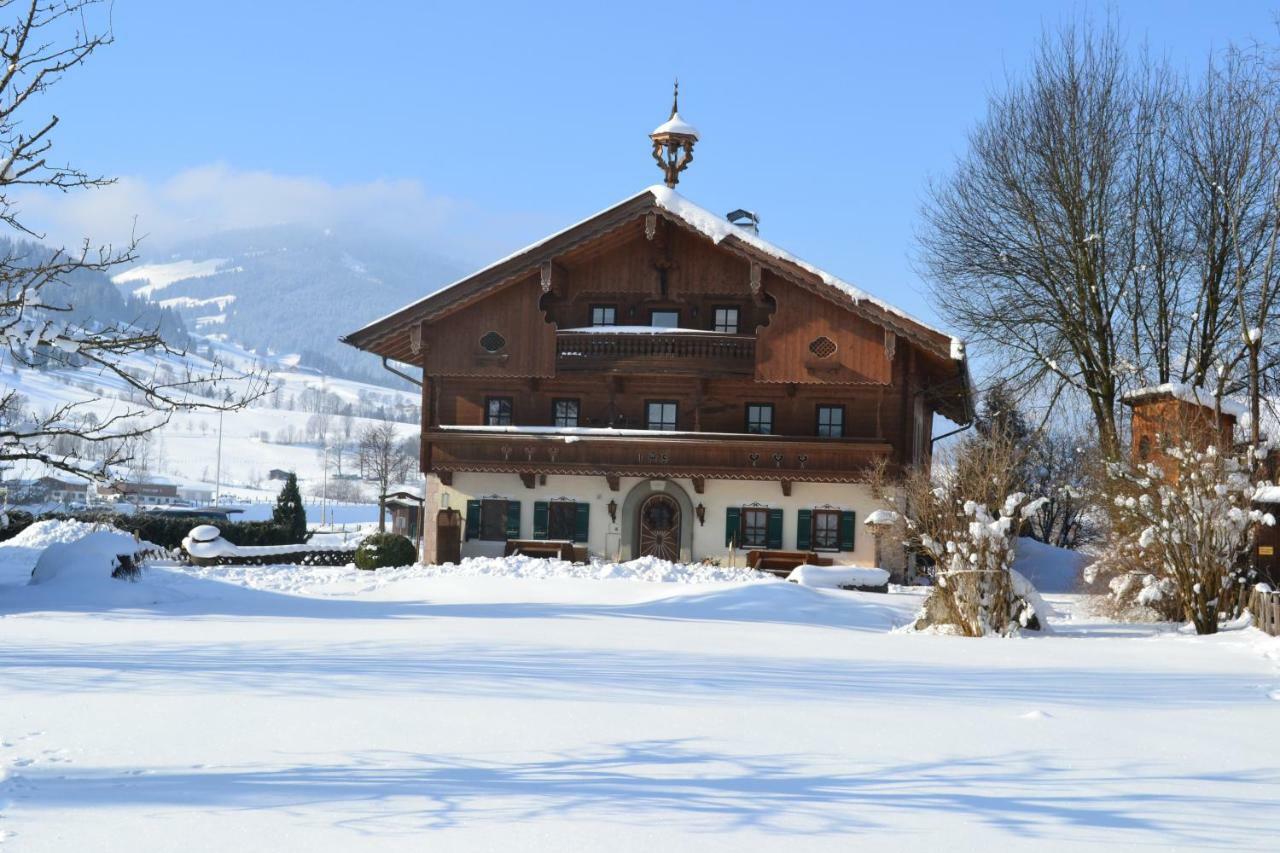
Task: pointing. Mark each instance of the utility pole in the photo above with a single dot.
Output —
(217, 489)
(324, 493)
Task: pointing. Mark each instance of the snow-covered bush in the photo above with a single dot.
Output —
(385, 550)
(967, 523)
(1187, 530)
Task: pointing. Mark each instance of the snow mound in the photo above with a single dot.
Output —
(641, 569)
(42, 534)
(1049, 569)
(835, 577)
(87, 560)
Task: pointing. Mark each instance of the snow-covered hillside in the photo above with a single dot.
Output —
(290, 288)
(272, 433)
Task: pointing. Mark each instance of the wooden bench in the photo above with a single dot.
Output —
(781, 563)
(560, 548)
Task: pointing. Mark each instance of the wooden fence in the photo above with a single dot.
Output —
(1265, 607)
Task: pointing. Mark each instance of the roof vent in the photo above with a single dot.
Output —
(745, 219)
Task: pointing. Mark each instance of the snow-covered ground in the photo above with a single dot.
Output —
(325, 709)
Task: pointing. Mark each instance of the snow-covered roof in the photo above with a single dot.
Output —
(675, 124)
(714, 227)
(1188, 394)
(717, 228)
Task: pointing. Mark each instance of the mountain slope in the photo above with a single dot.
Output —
(290, 289)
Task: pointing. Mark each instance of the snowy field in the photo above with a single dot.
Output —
(326, 709)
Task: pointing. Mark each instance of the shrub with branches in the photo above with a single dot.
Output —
(966, 518)
(1195, 524)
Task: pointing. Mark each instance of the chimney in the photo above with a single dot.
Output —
(745, 219)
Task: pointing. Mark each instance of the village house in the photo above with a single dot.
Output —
(660, 380)
(145, 492)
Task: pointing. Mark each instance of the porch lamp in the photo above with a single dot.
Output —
(673, 143)
(701, 512)
(613, 510)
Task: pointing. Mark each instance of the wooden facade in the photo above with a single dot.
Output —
(748, 352)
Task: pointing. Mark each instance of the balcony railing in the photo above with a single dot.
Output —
(641, 453)
(656, 352)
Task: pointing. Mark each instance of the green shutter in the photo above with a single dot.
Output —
(804, 529)
(473, 520)
(513, 519)
(539, 520)
(774, 531)
(846, 530)
(582, 523)
(731, 520)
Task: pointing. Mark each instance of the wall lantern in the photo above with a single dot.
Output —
(613, 510)
(701, 512)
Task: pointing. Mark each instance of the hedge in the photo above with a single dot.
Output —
(165, 531)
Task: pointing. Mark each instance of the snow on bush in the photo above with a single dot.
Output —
(92, 558)
(1194, 525)
(975, 591)
(42, 534)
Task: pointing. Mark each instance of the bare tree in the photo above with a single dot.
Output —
(1113, 224)
(384, 459)
(38, 44)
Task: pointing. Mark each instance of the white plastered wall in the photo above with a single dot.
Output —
(605, 535)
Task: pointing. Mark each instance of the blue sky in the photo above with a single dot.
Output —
(477, 127)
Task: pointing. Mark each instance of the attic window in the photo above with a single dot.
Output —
(492, 342)
(823, 347)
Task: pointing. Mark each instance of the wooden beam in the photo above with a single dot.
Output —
(446, 477)
(528, 480)
(786, 488)
(699, 484)
(615, 482)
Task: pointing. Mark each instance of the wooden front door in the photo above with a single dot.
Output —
(659, 528)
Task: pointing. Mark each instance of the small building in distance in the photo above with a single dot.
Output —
(1175, 414)
(278, 474)
(146, 492)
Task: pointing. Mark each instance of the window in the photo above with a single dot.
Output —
(661, 414)
(562, 520)
(826, 530)
(564, 413)
(755, 528)
(1144, 448)
(604, 315)
(497, 411)
(831, 421)
(493, 520)
(665, 319)
(492, 342)
(760, 418)
(726, 320)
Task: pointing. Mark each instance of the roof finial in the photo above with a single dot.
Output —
(673, 142)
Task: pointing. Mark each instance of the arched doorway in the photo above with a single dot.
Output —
(658, 528)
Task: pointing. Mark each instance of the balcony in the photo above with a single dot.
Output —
(641, 349)
(642, 453)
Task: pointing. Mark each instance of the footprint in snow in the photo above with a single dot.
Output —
(1037, 715)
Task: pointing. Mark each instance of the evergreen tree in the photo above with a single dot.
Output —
(289, 512)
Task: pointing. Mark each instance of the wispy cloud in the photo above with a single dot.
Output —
(206, 199)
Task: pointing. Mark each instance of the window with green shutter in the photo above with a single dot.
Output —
(804, 527)
(847, 529)
(582, 528)
(775, 529)
(732, 536)
(474, 509)
(513, 519)
(539, 519)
